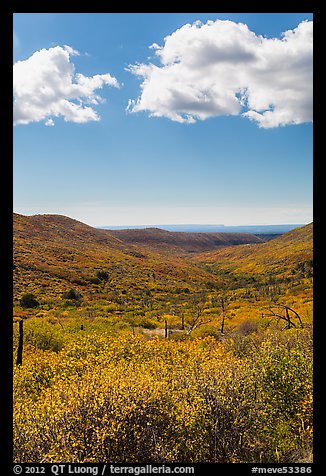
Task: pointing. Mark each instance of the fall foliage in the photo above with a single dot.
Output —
(137, 355)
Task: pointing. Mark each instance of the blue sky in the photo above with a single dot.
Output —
(162, 163)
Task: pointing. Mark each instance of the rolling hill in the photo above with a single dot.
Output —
(280, 256)
(182, 242)
(54, 252)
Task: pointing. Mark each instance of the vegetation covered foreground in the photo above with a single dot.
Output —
(206, 358)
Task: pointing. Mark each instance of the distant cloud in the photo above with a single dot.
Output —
(49, 122)
(222, 68)
(46, 86)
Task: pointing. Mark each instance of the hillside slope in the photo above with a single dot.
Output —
(54, 230)
(182, 242)
(53, 253)
(282, 255)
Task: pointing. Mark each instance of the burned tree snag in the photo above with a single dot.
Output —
(182, 321)
(274, 311)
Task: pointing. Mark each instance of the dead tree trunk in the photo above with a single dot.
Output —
(19, 360)
(166, 331)
(286, 318)
(222, 326)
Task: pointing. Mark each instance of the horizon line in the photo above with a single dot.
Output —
(157, 225)
(201, 225)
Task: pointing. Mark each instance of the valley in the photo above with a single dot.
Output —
(113, 319)
(149, 272)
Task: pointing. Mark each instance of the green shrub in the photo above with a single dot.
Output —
(28, 300)
(72, 295)
(102, 275)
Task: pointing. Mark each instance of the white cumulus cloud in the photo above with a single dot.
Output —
(46, 86)
(223, 68)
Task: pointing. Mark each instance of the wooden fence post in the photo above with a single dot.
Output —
(19, 360)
